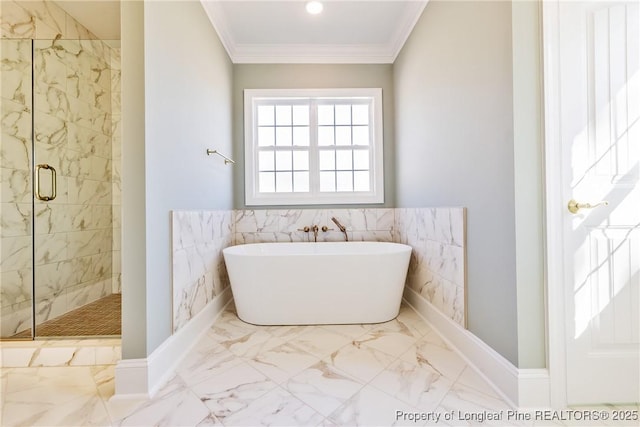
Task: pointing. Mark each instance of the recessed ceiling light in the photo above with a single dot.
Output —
(314, 7)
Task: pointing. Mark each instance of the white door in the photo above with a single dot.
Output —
(599, 130)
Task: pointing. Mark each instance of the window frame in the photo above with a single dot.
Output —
(253, 97)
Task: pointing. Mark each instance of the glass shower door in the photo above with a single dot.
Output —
(73, 219)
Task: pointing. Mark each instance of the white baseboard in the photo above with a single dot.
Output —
(534, 389)
(523, 388)
(144, 377)
(132, 379)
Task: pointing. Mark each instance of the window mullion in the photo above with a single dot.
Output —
(256, 152)
(314, 161)
(373, 150)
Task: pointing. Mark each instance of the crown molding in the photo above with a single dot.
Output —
(313, 53)
(412, 15)
(215, 14)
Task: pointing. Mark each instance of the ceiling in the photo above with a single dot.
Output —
(268, 31)
(282, 31)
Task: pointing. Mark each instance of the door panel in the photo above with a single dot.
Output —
(600, 122)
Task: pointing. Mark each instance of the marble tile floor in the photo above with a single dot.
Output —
(244, 375)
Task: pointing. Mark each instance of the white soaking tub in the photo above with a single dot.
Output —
(317, 283)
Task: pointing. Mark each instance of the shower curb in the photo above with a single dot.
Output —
(52, 353)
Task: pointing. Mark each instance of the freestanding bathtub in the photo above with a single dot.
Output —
(317, 283)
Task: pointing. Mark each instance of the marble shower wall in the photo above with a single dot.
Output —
(72, 114)
(437, 236)
(39, 19)
(199, 273)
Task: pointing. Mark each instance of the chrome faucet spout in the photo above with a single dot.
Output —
(340, 227)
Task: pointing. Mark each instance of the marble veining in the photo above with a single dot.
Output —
(323, 387)
(16, 136)
(275, 408)
(232, 390)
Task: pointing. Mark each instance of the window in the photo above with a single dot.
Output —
(313, 146)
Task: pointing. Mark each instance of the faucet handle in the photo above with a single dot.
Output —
(306, 229)
(325, 228)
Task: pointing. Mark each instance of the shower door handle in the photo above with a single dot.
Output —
(53, 182)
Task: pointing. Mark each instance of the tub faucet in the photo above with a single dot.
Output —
(341, 227)
(315, 229)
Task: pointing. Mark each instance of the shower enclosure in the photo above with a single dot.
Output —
(60, 194)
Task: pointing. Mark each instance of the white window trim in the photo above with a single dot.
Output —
(255, 198)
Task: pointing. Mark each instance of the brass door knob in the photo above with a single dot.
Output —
(574, 206)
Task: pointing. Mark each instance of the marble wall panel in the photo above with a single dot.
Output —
(15, 180)
(15, 149)
(16, 287)
(50, 65)
(15, 186)
(49, 18)
(16, 22)
(16, 219)
(16, 71)
(286, 225)
(15, 318)
(15, 298)
(87, 293)
(198, 273)
(437, 267)
(88, 192)
(16, 253)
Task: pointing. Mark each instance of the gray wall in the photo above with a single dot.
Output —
(454, 147)
(134, 251)
(313, 76)
(184, 95)
(529, 182)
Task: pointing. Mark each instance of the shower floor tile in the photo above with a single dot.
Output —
(98, 318)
